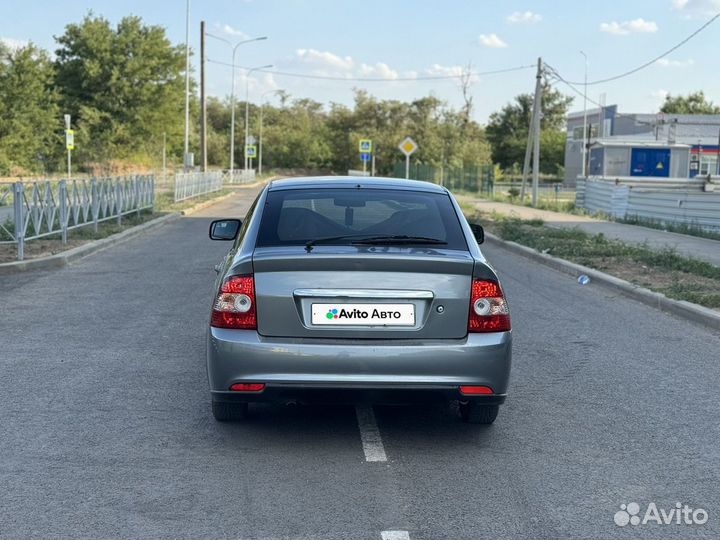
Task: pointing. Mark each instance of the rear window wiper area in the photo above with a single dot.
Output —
(362, 239)
(329, 239)
(400, 239)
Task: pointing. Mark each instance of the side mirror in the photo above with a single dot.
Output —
(225, 229)
(478, 232)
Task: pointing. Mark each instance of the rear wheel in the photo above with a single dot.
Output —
(228, 412)
(473, 412)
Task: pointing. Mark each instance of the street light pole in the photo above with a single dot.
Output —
(187, 85)
(247, 109)
(585, 133)
(232, 96)
(260, 142)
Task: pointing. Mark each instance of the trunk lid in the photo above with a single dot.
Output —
(387, 292)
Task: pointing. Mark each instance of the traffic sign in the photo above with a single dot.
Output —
(251, 139)
(408, 146)
(70, 139)
(250, 151)
(364, 156)
(365, 146)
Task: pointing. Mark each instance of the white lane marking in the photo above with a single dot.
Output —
(395, 535)
(370, 434)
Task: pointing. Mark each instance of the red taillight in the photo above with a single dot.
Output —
(488, 308)
(235, 304)
(247, 387)
(475, 390)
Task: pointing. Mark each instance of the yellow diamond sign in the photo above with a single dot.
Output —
(408, 146)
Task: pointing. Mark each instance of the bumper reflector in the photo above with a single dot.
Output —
(475, 390)
(247, 387)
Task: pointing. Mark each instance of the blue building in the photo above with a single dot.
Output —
(642, 145)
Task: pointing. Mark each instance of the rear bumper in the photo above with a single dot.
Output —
(384, 370)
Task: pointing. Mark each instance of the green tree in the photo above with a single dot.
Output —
(124, 85)
(30, 124)
(693, 103)
(507, 130)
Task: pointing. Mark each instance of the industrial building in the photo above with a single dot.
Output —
(641, 145)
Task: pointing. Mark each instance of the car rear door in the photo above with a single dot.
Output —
(362, 292)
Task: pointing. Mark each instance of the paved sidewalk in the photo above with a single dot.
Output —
(691, 246)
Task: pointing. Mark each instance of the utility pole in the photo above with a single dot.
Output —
(586, 137)
(69, 143)
(234, 48)
(262, 106)
(536, 142)
(247, 110)
(164, 158)
(533, 132)
(718, 155)
(203, 104)
(187, 85)
(260, 144)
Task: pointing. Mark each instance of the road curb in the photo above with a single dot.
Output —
(680, 308)
(66, 257)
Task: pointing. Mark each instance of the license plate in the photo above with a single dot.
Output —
(363, 314)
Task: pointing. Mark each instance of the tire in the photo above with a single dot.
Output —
(229, 412)
(477, 413)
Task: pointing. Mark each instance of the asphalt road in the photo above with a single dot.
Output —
(106, 431)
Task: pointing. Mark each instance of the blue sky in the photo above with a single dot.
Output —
(405, 38)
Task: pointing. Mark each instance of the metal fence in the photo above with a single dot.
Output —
(241, 176)
(41, 209)
(479, 178)
(678, 201)
(194, 184)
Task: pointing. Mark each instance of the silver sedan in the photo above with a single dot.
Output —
(356, 288)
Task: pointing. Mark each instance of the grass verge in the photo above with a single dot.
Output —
(562, 204)
(663, 271)
(165, 202)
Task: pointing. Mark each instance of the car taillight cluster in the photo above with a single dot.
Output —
(488, 308)
(235, 304)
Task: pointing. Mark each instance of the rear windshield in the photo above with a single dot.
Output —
(298, 216)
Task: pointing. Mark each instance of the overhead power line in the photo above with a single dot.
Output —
(650, 62)
(376, 79)
(549, 70)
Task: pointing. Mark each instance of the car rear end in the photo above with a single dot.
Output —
(359, 290)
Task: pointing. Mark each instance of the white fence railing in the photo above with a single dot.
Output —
(45, 208)
(240, 176)
(677, 201)
(194, 184)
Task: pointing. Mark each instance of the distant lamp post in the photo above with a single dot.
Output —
(247, 109)
(232, 95)
(585, 129)
(260, 142)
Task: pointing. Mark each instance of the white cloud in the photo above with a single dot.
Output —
(444, 71)
(659, 96)
(492, 41)
(14, 44)
(324, 59)
(231, 31)
(640, 26)
(697, 7)
(524, 17)
(257, 84)
(379, 70)
(329, 64)
(665, 62)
